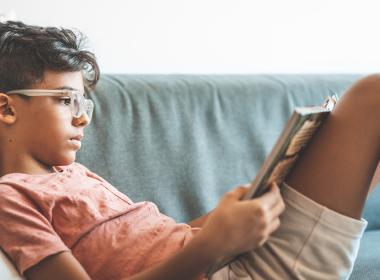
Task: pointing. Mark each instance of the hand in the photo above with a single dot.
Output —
(237, 226)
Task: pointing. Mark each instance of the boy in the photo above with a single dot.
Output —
(55, 215)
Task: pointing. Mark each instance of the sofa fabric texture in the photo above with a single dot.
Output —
(181, 141)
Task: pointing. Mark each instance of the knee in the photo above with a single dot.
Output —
(367, 85)
(365, 93)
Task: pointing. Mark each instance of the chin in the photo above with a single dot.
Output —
(66, 160)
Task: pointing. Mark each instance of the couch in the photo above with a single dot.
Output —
(183, 140)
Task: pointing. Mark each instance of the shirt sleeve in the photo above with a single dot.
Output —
(25, 234)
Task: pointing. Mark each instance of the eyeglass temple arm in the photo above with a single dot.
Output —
(37, 92)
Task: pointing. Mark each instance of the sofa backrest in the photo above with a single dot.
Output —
(183, 140)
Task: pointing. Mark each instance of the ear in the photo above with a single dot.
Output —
(7, 110)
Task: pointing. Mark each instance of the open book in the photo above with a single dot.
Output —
(300, 128)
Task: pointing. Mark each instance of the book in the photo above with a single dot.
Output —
(297, 133)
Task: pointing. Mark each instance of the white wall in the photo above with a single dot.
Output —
(219, 36)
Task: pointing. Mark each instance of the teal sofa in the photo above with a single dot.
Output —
(183, 140)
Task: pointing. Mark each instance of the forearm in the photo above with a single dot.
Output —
(199, 221)
(188, 264)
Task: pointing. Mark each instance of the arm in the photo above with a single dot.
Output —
(223, 235)
(60, 266)
(190, 262)
(199, 222)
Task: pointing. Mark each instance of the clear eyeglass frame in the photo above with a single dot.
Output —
(78, 103)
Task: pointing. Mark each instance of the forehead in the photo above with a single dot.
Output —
(60, 80)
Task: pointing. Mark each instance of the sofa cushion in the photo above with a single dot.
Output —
(367, 265)
(372, 210)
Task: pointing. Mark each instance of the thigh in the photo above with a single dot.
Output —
(336, 168)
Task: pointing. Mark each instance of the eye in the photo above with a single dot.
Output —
(65, 101)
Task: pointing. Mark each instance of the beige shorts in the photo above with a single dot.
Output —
(312, 242)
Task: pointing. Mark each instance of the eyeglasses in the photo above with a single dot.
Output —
(78, 103)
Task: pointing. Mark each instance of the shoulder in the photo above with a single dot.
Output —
(13, 195)
(7, 190)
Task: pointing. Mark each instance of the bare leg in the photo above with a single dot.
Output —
(337, 167)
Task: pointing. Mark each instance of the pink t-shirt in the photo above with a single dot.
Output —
(76, 210)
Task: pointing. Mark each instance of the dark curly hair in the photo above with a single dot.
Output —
(27, 51)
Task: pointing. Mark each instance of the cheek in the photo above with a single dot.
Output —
(51, 124)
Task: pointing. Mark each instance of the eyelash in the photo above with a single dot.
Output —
(66, 101)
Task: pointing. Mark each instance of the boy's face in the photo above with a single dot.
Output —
(45, 130)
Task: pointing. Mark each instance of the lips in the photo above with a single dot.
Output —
(78, 138)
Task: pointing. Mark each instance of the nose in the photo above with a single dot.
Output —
(83, 120)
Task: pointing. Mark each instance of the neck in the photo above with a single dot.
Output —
(19, 163)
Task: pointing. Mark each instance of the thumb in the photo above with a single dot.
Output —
(237, 193)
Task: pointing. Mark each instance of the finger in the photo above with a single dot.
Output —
(277, 209)
(236, 194)
(262, 242)
(274, 225)
(271, 197)
(248, 185)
